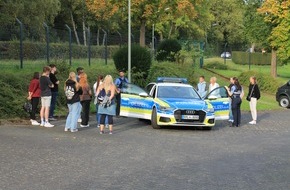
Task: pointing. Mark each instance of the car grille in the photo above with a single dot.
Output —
(179, 113)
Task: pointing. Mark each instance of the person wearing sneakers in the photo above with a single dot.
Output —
(107, 108)
(45, 87)
(119, 82)
(253, 95)
(72, 92)
(85, 99)
(54, 91)
(33, 96)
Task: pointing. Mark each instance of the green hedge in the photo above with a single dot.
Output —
(242, 58)
(37, 50)
(266, 83)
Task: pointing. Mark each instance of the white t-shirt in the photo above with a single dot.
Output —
(95, 87)
(216, 93)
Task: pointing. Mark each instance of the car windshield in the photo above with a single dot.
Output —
(184, 92)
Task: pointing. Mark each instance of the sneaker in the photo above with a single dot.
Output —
(107, 126)
(102, 132)
(111, 132)
(98, 126)
(42, 124)
(79, 120)
(74, 130)
(47, 124)
(34, 122)
(231, 120)
(66, 129)
(52, 119)
(252, 122)
(84, 125)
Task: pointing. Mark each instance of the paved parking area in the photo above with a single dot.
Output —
(139, 157)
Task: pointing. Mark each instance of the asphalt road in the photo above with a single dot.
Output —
(139, 157)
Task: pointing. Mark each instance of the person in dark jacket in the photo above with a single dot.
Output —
(254, 95)
(72, 91)
(235, 93)
(34, 96)
(54, 91)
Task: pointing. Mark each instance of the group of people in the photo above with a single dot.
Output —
(44, 87)
(236, 94)
(78, 94)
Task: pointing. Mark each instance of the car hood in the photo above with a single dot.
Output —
(185, 103)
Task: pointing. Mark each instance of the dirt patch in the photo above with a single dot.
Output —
(15, 121)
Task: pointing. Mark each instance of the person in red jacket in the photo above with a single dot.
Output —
(34, 95)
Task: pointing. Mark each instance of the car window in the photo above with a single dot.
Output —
(149, 87)
(219, 92)
(131, 89)
(184, 92)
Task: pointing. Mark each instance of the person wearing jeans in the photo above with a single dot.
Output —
(72, 92)
(33, 96)
(254, 95)
(54, 91)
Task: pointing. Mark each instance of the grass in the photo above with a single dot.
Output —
(236, 70)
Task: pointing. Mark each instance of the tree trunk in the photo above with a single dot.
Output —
(274, 64)
(142, 33)
(84, 32)
(98, 37)
(253, 48)
(74, 28)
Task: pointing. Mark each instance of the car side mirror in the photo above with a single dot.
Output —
(143, 95)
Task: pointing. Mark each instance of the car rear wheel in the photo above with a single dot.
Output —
(284, 102)
(154, 119)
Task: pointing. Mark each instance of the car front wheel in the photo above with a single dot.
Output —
(154, 119)
(284, 102)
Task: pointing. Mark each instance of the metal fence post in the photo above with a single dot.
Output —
(106, 46)
(70, 50)
(89, 45)
(21, 43)
(120, 43)
(47, 42)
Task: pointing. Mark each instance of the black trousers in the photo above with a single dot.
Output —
(34, 103)
(118, 99)
(85, 112)
(103, 118)
(236, 110)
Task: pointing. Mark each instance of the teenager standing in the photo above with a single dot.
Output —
(107, 108)
(202, 87)
(72, 92)
(54, 91)
(85, 99)
(254, 95)
(33, 96)
(45, 87)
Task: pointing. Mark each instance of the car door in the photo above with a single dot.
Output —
(135, 102)
(220, 101)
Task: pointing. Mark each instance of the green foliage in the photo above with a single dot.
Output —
(167, 50)
(216, 65)
(242, 58)
(37, 50)
(167, 69)
(140, 59)
(266, 83)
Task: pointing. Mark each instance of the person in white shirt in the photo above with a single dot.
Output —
(213, 85)
(202, 87)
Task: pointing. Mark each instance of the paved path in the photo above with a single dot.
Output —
(139, 157)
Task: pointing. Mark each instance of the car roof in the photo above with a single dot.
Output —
(172, 84)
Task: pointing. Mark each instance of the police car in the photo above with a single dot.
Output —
(171, 101)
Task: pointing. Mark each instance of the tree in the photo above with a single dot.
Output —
(31, 13)
(277, 13)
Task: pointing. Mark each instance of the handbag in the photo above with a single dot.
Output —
(249, 96)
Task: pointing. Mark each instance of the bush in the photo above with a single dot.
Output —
(266, 83)
(216, 65)
(37, 50)
(242, 58)
(167, 49)
(140, 59)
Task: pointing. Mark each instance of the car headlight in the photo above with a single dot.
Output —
(163, 108)
(210, 110)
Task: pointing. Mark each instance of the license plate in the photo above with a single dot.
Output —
(192, 117)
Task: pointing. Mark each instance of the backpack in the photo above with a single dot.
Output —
(69, 92)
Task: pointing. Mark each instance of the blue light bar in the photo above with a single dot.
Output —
(171, 80)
